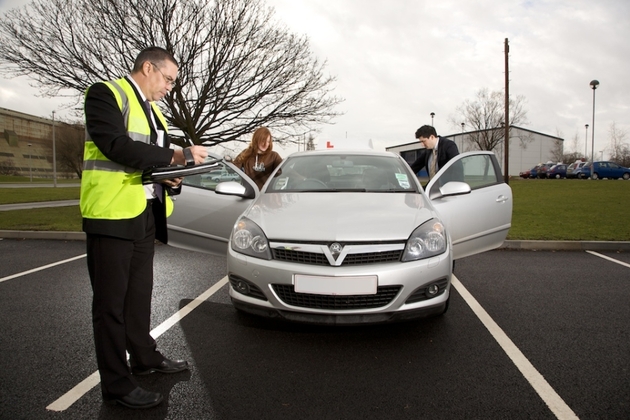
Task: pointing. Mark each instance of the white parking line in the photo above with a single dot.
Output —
(609, 258)
(43, 267)
(537, 381)
(72, 396)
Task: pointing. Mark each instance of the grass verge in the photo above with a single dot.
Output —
(572, 210)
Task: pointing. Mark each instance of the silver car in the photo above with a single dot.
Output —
(346, 237)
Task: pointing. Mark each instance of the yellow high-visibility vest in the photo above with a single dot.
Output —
(110, 190)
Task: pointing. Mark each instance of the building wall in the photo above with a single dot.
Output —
(527, 149)
(26, 141)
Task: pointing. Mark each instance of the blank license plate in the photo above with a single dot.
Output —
(320, 285)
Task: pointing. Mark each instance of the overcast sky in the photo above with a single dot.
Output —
(396, 61)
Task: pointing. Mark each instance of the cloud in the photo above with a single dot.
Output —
(398, 61)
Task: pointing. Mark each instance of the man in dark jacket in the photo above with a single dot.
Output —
(438, 150)
(127, 134)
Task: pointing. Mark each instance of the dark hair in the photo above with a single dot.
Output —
(155, 55)
(426, 131)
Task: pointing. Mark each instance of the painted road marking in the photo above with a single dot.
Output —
(43, 267)
(72, 396)
(536, 380)
(609, 258)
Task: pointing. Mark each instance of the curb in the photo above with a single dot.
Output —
(511, 244)
(567, 245)
(34, 234)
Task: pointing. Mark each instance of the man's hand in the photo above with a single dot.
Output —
(199, 154)
(173, 183)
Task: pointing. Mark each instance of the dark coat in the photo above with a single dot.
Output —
(447, 149)
(107, 129)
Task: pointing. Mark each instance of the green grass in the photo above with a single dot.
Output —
(60, 219)
(28, 195)
(573, 210)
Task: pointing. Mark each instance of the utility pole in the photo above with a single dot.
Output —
(506, 136)
(54, 152)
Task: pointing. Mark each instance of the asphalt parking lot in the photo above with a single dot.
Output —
(529, 334)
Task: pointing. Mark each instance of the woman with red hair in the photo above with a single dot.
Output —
(259, 160)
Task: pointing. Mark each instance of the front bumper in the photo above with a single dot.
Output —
(268, 290)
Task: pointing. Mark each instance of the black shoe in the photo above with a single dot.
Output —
(167, 366)
(138, 398)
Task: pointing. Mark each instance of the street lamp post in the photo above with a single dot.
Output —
(586, 143)
(594, 84)
(432, 115)
(54, 152)
(30, 169)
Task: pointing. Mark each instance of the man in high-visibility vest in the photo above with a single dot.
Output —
(125, 134)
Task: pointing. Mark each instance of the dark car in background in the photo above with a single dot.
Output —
(542, 170)
(557, 171)
(573, 168)
(609, 170)
(583, 172)
(533, 173)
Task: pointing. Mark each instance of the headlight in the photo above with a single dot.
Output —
(426, 241)
(249, 239)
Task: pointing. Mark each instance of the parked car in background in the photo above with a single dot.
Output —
(346, 237)
(557, 171)
(542, 170)
(572, 168)
(583, 172)
(609, 170)
(525, 174)
(533, 173)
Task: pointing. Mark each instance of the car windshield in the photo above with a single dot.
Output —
(342, 173)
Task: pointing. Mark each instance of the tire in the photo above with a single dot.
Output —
(626, 176)
(558, 176)
(594, 176)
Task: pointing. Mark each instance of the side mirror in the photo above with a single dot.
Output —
(235, 188)
(451, 189)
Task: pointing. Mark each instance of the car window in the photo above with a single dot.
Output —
(344, 173)
(478, 171)
(209, 180)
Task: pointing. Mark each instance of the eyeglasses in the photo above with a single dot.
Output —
(167, 79)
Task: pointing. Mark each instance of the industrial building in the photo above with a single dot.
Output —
(527, 148)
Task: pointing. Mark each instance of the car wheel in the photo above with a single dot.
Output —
(626, 176)
(595, 176)
(558, 176)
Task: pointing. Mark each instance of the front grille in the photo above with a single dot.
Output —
(300, 257)
(372, 257)
(314, 258)
(383, 297)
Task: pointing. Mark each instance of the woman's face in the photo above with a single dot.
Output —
(264, 145)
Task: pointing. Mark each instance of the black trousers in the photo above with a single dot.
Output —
(121, 274)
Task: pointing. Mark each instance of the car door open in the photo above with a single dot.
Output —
(202, 219)
(478, 218)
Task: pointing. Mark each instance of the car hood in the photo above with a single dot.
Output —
(339, 216)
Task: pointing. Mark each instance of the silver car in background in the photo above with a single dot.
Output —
(346, 236)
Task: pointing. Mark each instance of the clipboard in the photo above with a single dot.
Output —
(161, 173)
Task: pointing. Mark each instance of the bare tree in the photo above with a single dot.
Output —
(620, 151)
(557, 151)
(486, 117)
(239, 69)
(7, 167)
(70, 139)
